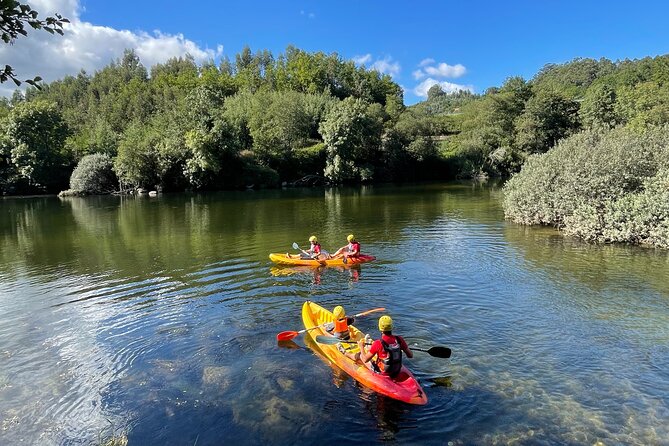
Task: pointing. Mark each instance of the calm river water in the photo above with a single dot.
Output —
(154, 319)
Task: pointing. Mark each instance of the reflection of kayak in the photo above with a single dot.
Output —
(283, 270)
(281, 258)
(404, 387)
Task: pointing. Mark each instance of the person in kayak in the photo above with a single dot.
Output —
(350, 250)
(314, 252)
(339, 327)
(388, 350)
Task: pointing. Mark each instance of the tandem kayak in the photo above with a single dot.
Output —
(284, 260)
(403, 387)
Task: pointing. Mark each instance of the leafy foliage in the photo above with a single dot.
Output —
(352, 136)
(607, 186)
(14, 16)
(34, 138)
(94, 175)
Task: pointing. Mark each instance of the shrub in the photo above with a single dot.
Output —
(604, 186)
(94, 175)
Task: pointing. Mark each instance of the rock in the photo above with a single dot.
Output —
(216, 375)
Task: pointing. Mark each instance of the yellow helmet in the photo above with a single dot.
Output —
(350, 237)
(385, 323)
(313, 238)
(338, 312)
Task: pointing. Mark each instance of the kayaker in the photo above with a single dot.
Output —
(352, 249)
(339, 327)
(388, 350)
(314, 251)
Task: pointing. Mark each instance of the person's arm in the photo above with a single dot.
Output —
(365, 355)
(405, 347)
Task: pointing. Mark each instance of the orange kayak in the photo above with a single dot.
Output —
(403, 387)
(282, 259)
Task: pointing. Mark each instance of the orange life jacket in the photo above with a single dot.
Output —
(341, 325)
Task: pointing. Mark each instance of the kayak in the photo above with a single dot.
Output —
(403, 387)
(284, 260)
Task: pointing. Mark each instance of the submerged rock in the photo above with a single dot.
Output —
(217, 376)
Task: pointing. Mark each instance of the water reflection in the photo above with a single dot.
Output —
(353, 272)
(155, 320)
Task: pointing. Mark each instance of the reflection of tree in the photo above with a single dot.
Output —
(596, 266)
(136, 235)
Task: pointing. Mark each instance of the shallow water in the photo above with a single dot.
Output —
(155, 319)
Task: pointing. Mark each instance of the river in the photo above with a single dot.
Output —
(154, 320)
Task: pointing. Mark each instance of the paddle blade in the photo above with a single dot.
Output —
(286, 335)
(330, 340)
(364, 313)
(296, 246)
(439, 352)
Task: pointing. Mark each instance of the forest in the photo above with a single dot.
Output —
(264, 120)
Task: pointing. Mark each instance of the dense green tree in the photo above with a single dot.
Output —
(352, 135)
(645, 104)
(574, 78)
(434, 92)
(547, 118)
(34, 135)
(94, 175)
(598, 108)
(137, 161)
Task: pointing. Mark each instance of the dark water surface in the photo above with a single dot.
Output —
(154, 319)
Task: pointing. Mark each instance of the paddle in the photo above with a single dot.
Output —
(437, 352)
(296, 246)
(287, 335)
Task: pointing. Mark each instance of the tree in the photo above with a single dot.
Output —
(548, 117)
(94, 175)
(13, 18)
(35, 134)
(598, 107)
(434, 92)
(352, 135)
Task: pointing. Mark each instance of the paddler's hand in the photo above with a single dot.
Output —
(361, 345)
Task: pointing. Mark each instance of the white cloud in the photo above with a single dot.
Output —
(387, 66)
(448, 87)
(428, 68)
(384, 66)
(362, 60)
(446, 70)
(418, 74)
(88, 46)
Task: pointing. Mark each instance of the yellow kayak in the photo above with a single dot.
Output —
(284, 260)
(403, 387)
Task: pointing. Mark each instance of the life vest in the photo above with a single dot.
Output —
(316, 248)
(354, 246)
(393, 362)
(341, 328)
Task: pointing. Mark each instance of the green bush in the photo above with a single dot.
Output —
(94, 175)
(604, 186)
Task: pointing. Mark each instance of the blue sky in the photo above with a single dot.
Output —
(473, 45)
